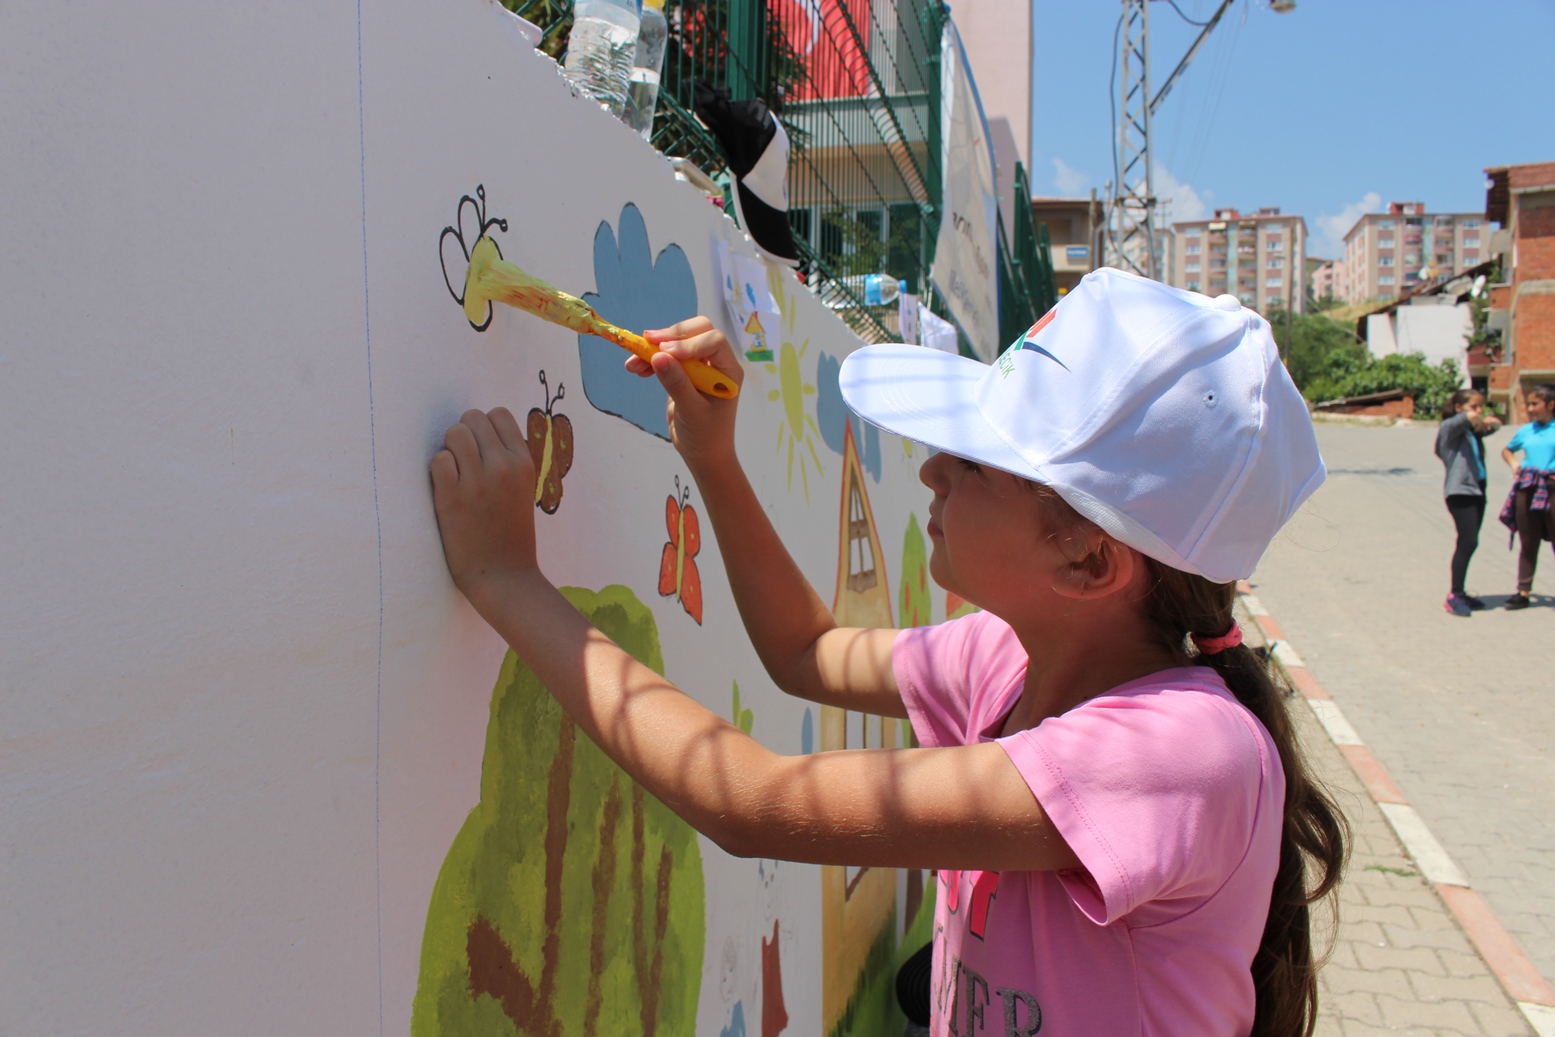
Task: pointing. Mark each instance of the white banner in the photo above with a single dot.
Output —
(964, 270)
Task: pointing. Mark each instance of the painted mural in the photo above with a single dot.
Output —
(571, 902)
(374, 801)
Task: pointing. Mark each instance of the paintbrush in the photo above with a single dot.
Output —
(491, 277)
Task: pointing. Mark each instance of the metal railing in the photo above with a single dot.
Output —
(856, 85)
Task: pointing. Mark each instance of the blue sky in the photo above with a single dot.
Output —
(1330, 111)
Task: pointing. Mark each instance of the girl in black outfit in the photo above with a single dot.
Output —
(1458, 444)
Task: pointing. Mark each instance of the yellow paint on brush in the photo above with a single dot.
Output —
(493, 278)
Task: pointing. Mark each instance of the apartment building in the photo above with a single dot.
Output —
(1330, 278)
(1386, 254)
(1522, 304)
(1074, 227)
(1260, 258)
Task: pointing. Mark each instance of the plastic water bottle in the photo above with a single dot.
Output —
(601, 48)
(872, 289)
(642, 94)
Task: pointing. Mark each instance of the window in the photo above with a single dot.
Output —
(1384, 260)
(1469, 242)
(1384, 224)
(1413, 221)
(1193, 286)
(1385, 279)
(1275, 245)
(1217, 264)
(1192, 266)
(1444, 259)
(1386, 242)
(1471, 259)
(1470, 224)
(1273, 282)
(1276, 300)
(1274, 263)
(1191, 250)
(1411, 259)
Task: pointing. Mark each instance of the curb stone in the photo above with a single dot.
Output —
(1516, 974)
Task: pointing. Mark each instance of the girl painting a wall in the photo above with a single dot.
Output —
(1126, 838)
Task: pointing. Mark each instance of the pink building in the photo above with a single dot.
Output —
(1328, 279)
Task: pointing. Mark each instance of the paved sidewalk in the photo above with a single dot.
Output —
(1400, 963)
(1459, 712)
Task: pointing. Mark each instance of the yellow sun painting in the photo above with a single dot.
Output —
(797, 426)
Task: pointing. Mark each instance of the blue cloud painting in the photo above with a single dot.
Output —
(636, 292)
(831, 414)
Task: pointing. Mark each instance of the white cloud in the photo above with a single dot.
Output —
(1328, 242)
(1068, 179)
(1180, 202)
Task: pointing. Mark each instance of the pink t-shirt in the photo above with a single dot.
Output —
(1169, 792)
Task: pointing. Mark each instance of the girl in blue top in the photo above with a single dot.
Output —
(1529, 508)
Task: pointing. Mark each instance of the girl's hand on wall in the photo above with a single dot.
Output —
(483, 487)
(701, 427)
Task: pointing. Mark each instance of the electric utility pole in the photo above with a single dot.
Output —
(1131, 206)
(1130, 223)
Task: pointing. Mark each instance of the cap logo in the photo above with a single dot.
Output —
(1029, 340)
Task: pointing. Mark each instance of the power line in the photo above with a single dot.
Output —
(1184, 17)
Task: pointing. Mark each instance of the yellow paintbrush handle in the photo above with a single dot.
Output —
(707, 378)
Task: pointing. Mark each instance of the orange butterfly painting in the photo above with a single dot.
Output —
(678, 574)
(550, 447)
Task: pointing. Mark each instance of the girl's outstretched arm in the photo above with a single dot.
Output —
(793, 631)
(965, 807)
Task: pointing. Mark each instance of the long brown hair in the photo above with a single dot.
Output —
(1315, 840)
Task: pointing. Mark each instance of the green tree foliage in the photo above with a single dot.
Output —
(1315, 341)
(571, 901)
(1328, 362)
(1347, 376)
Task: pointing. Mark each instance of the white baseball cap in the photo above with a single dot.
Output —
(1163, 416)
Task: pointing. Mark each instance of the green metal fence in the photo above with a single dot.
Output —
(856, 84)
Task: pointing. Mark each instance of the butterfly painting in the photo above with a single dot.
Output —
(550, 447)
(678, 573)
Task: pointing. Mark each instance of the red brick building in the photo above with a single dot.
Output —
(1522, 200)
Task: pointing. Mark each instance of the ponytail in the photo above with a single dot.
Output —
(1314, 843)
(1457, 400)
(1315, 837)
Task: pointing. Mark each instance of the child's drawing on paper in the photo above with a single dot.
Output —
(550, 447)
(636, 291)
(753, 310)
(571, 902)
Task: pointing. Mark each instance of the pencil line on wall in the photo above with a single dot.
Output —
(372, 440)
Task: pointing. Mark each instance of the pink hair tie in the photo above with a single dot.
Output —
(1215, 645)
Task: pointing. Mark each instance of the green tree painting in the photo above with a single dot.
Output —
(571, 901)
(913, 603)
